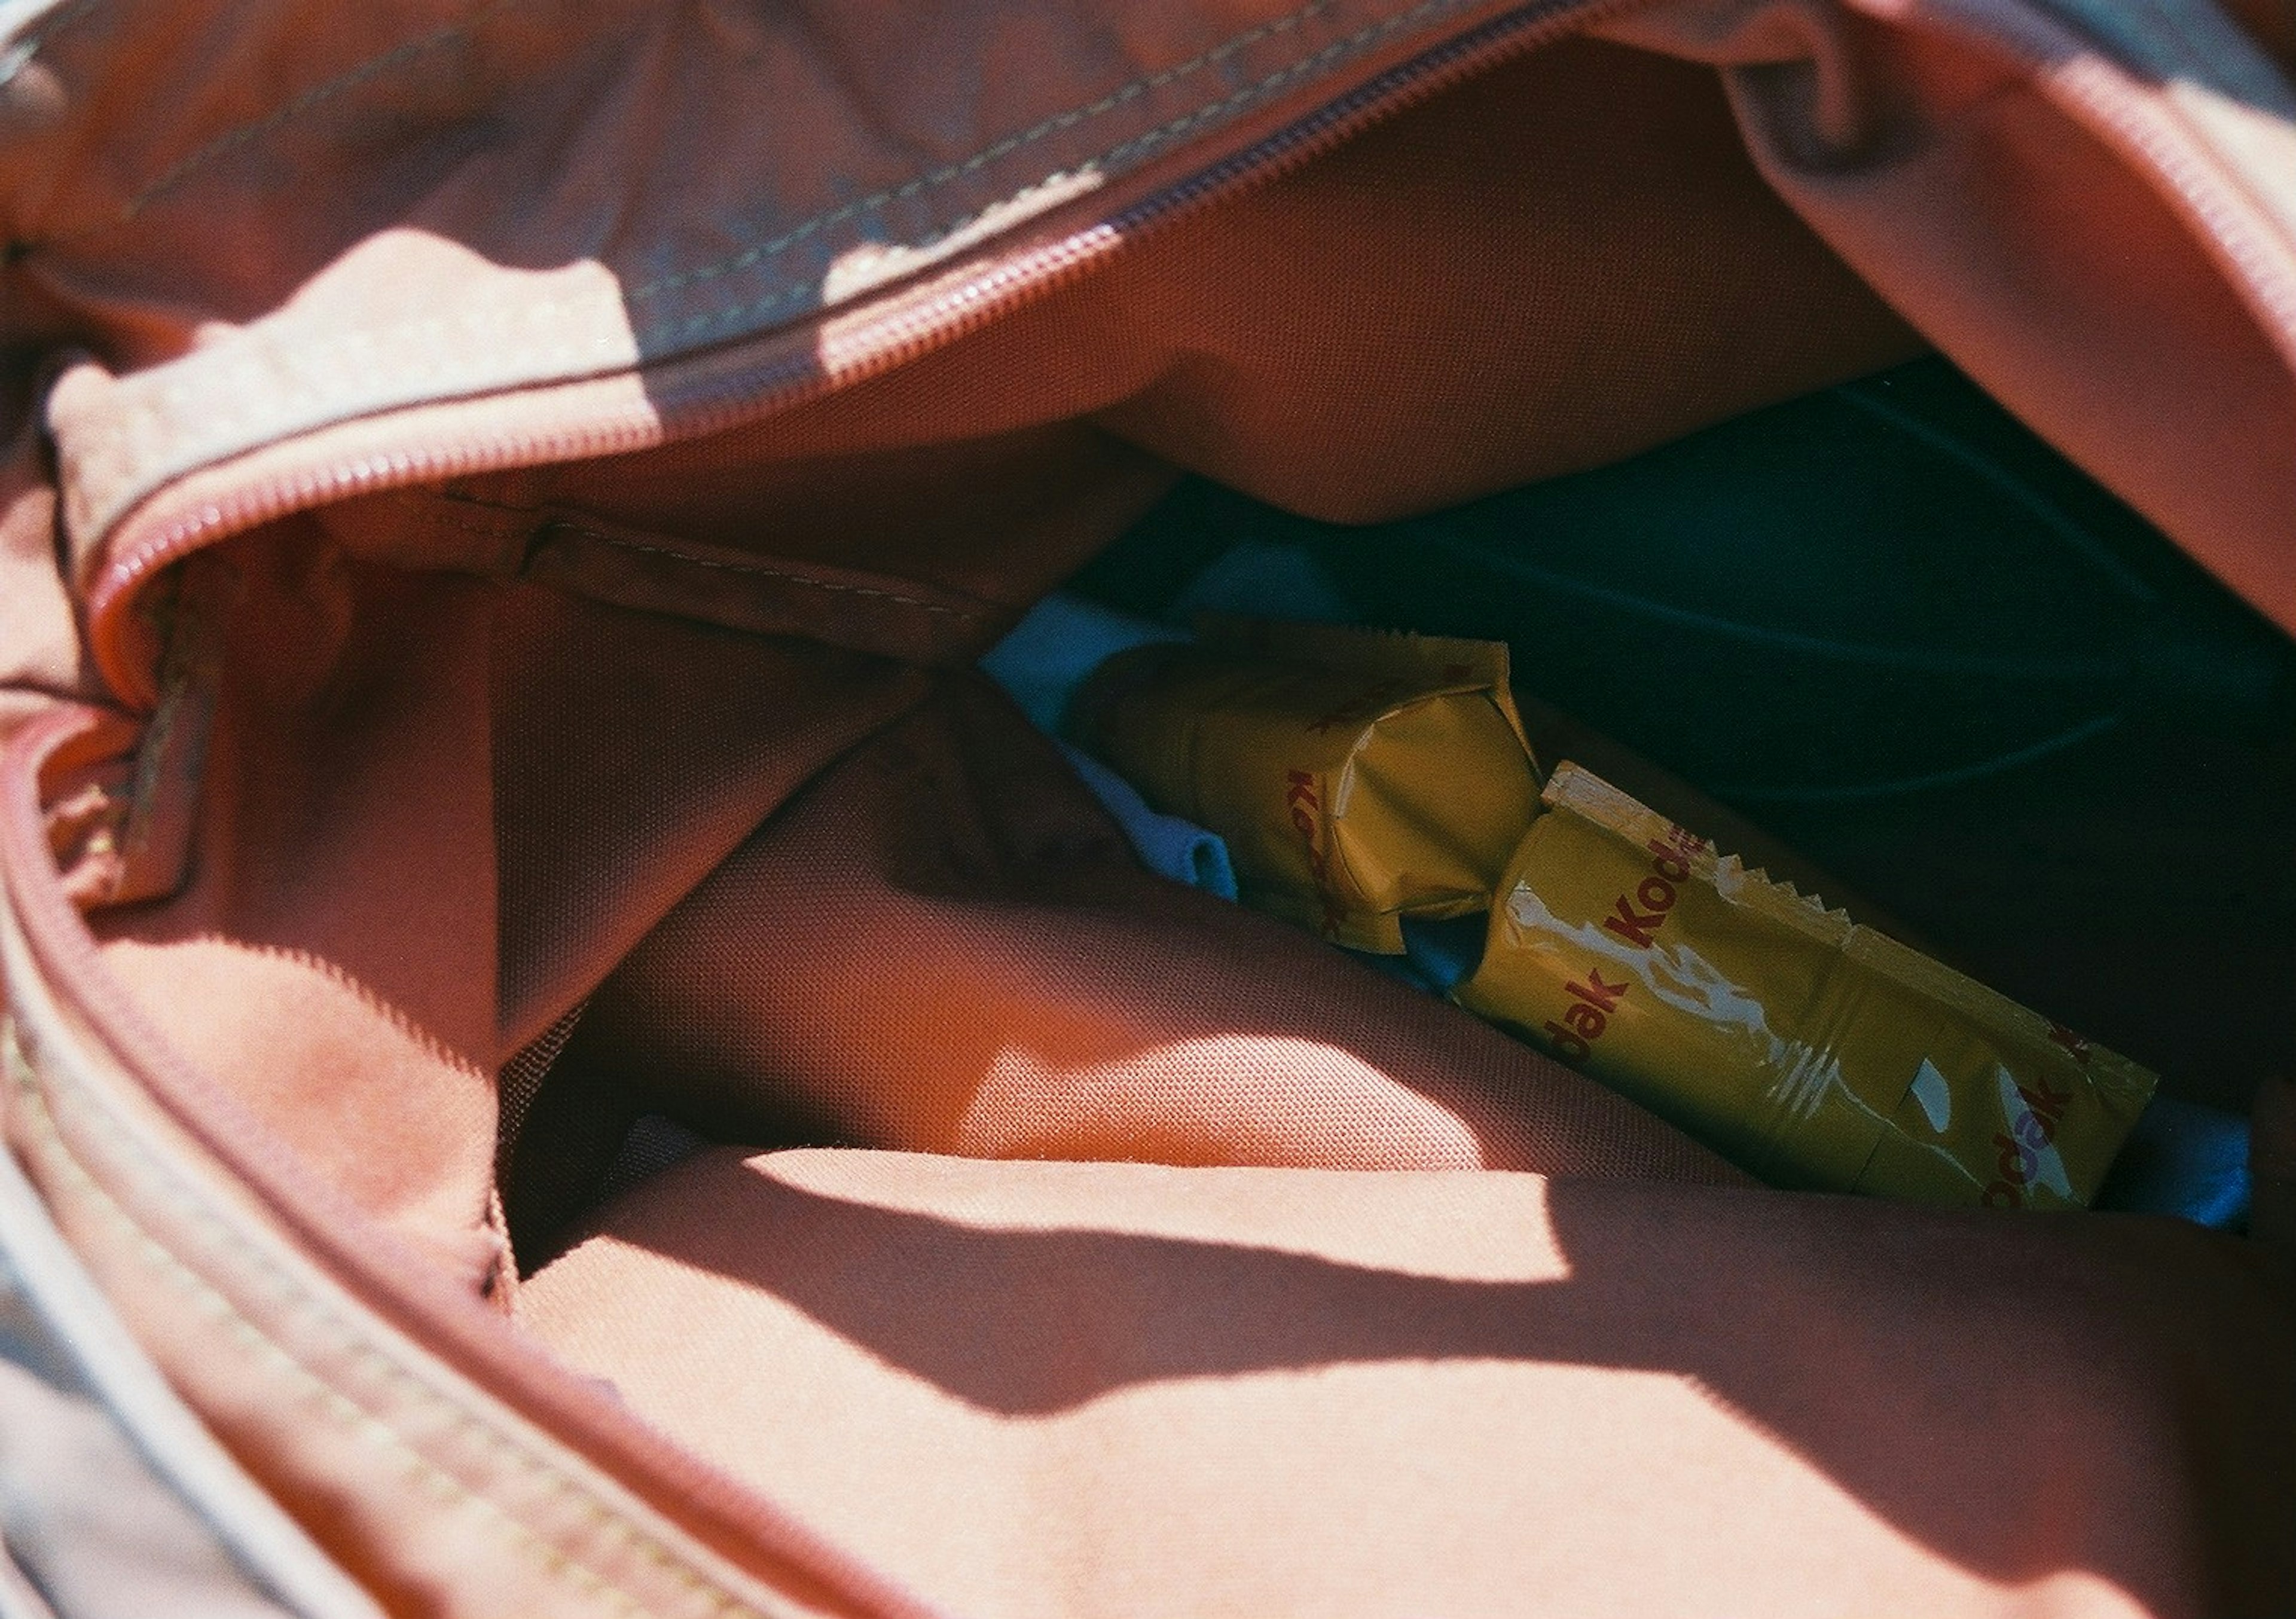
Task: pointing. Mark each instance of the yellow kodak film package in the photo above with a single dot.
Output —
(1358, 776)
(1811, 1051)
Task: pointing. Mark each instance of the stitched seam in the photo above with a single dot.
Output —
(762, 571)
(987, 155)
(344, 1412)
(427, 514)
(299, 1301)
(463, 524)
(1122, 149)
(483, 322)
(373, 68)
(936, 235)
(321, 349)
(399, 55)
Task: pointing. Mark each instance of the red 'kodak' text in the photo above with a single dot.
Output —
(1638, 917)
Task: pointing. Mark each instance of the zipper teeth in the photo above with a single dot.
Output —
(1393, 91)
(764, 392)
(898, 338)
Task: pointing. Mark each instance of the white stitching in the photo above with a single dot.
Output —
(344, 1411)
(399, 55)
(125, 442)
(299, 1302)
(250, 372)
(1123, 150)
(374, 67)
(990, 154)
(760, 568)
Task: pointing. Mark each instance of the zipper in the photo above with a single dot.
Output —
(752, 396)
(2034, 40)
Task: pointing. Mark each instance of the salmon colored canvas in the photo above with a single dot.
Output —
(499, 504)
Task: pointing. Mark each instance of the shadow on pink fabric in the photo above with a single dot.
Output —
(583, 313)
(1067, 1388)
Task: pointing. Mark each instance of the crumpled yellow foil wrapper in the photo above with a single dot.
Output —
(1358, 776)
(1812, 1051)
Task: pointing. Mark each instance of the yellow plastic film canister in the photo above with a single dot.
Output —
(1357, 776)
(1811, 1051)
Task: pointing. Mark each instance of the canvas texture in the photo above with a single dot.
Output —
(499, 505)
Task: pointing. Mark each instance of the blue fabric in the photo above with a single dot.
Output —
(1166, 845)
(1044, 660)
(2183, 1160)
(1443, 953)
(1050, 653)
